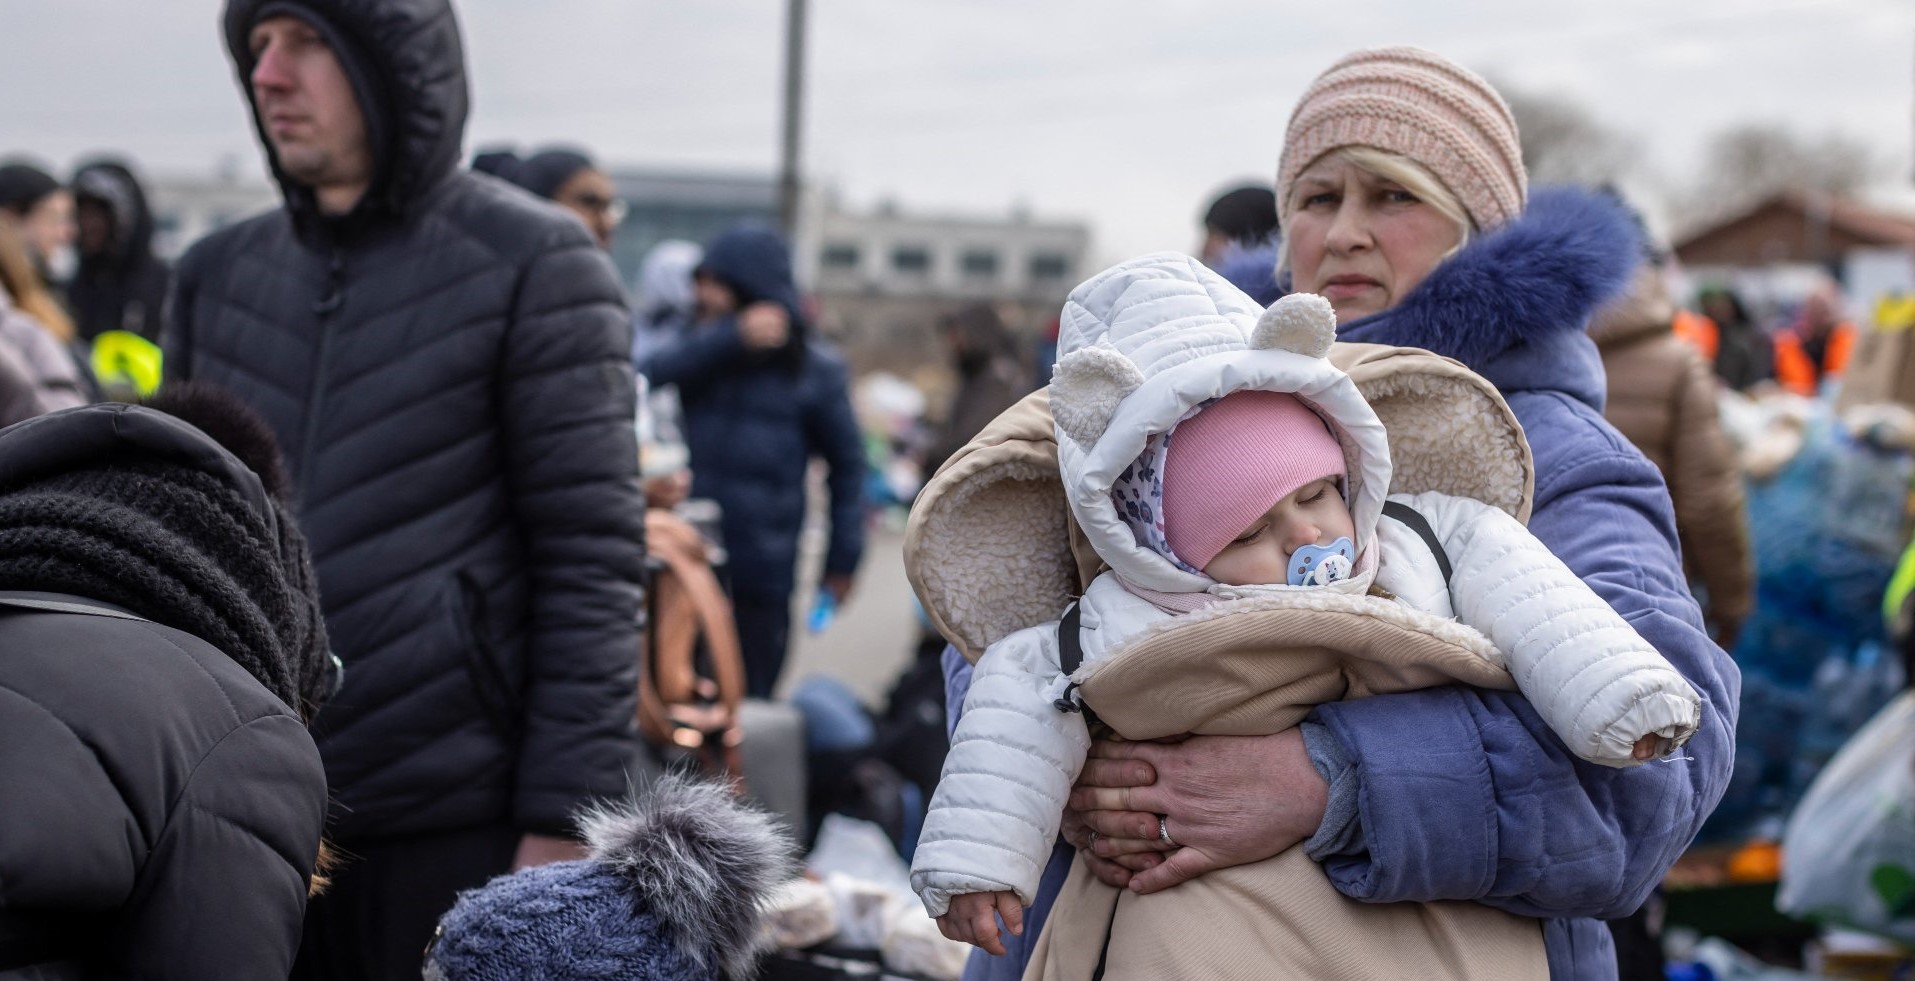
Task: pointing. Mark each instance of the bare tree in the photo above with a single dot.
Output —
(1563, 142)
(1750, 162)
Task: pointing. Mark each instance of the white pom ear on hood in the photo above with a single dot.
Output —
(1086, 388)
(1303, 323)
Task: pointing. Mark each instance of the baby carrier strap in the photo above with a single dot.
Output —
(1413, 519)
(1070, 642)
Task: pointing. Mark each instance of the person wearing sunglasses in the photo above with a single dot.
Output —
(566, 177)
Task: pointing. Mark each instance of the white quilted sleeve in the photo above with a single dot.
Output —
(1597, 683)
(994, 818)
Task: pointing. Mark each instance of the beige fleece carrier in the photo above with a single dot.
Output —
(994, 547)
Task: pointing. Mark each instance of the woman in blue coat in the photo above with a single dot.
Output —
(762, 398)
(1405, 203)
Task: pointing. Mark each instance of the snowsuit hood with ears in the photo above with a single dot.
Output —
(406, 62)
(1145, 342)
(1000, 538)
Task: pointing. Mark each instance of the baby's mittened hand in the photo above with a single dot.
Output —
(972, 919)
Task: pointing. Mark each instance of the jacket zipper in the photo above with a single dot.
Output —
(328, 304)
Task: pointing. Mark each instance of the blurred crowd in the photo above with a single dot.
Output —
(351, 553)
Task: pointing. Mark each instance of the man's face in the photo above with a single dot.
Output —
(712, 298)
(590, 195)
(95, 223)
(307, 105)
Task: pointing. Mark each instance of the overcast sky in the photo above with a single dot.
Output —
(1127, 114)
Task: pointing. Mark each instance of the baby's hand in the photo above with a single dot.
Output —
(1648, 747)
(971, 919)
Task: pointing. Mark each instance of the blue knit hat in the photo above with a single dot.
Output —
(674, 890)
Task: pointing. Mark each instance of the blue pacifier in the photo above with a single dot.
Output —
(1321, 565)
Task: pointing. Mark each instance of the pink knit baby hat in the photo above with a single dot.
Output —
(1423, 106)
(1235, 459)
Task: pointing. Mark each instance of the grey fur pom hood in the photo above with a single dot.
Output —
(675, 888)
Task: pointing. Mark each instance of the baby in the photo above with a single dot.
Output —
(1260, 488)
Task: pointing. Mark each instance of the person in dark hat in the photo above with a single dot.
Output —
(446, 362)
(1240, 240)
(164, 654)
(41, 212)
(566, 177)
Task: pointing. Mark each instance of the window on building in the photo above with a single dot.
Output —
(979, 264)
(1049, 265)
(840, 255)
(913, 259)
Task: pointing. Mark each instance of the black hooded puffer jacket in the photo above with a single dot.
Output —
(162, 807)
(124, 286)
(446, 369)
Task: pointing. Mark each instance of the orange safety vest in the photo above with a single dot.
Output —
(1699, 331)
(1797, 373)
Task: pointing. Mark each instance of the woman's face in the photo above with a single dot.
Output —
(1360, 241)
(47, 228)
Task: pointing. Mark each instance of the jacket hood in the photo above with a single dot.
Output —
(114, 186)
(88, 436)
(1644, 311)
(406, 62)
(1513, 302)
(1020, 520)
(1143, 343)
(754, 261)
(665, 278)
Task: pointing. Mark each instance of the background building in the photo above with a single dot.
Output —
(879, 279)
(689, 204)
(883, 277)
(187, 207)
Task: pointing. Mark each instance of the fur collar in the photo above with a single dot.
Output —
(1512, 304)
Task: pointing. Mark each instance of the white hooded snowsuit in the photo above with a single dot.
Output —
(1141, 344)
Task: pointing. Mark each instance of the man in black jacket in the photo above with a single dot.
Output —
(121, 284)
(444, 360)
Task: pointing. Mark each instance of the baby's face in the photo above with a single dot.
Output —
(1313, 514)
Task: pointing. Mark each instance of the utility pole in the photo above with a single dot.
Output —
(794, 111)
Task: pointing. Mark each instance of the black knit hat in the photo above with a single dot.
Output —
(135, 507)
(542, 173)
(22, 186)
(1247, 214)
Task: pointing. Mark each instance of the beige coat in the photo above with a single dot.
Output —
(1662, 397)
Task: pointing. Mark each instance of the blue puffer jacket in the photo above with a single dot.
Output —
(754, 420)
(1465, 794)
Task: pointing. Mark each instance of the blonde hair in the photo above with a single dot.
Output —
(22, 282)
(1395, 167)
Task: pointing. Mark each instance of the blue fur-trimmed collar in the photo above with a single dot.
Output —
(1513, 303)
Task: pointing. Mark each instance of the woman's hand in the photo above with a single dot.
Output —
(1226, 801)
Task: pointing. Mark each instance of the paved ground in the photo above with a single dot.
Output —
(873, 635)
